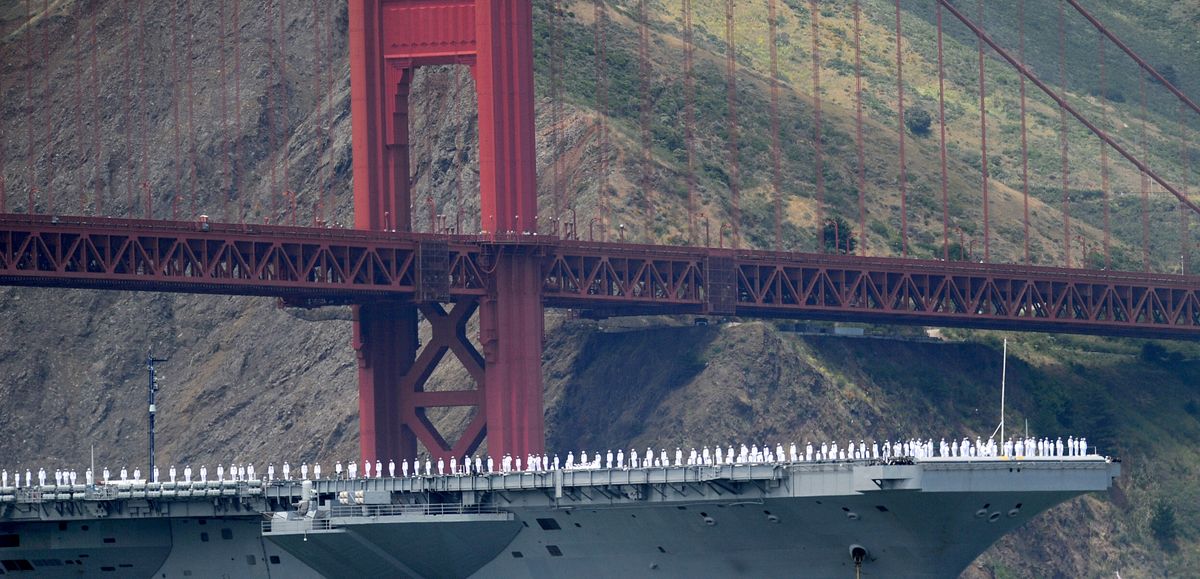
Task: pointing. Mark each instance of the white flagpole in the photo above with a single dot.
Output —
(1003, 379)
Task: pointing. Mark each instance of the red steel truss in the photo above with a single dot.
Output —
(315, 267)
(308, 266)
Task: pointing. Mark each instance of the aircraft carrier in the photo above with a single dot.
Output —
(872, 518)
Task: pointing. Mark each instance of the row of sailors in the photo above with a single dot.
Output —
(915, 448)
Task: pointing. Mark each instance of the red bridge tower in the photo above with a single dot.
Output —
(389, 39)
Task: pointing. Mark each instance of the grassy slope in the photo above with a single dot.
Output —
(878, 49)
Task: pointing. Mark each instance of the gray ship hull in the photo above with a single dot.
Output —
(927, 519)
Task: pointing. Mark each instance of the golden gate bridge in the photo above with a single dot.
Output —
(523, 258)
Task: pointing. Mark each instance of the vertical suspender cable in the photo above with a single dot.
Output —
(236, 162)
(224, 133)
(458, 166)
(983, 150)
(80, 113)
(177, 137)
(903, 178)
(1064, 141)
(1184, 216)
(1104, 185)
(689, 118)
(942, 141)
(131, 56)
(556, 113)
(858, 131)
(1145, 181)
(3, 130)
(322, 54)
(143, 113)
(1024, 130)
(601, 18)
(30, 176)
(95, 106)
(818, 131)
(329, 116)
(191, 101)
(289, 195)
(273, 66)
(49, 138)
(732, 122)
(644, 114)
(776, 162)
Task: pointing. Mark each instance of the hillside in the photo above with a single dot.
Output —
(248, 381)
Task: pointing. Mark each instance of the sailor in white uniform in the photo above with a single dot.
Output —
(404, 468)
(428, 467)
(203, 473)
(316, 471)
(187, 473)
(171, 473)
(304, 471)
(441, 466)
(337, 470)
(287, 471)
(366, 468)
(491, 463)
(270, 472)
(633, 458)
(4, 478)
(391, 469)
(453, 465)
(353, 469)
(90, 477)
(378, 468)
(124, 474)
(250, 474)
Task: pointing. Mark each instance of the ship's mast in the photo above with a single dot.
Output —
(1003, 379)
(151, 390)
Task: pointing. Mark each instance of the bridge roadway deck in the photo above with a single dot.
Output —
(468, 494)
(314, 267)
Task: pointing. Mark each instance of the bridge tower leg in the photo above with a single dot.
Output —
(388, 40)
